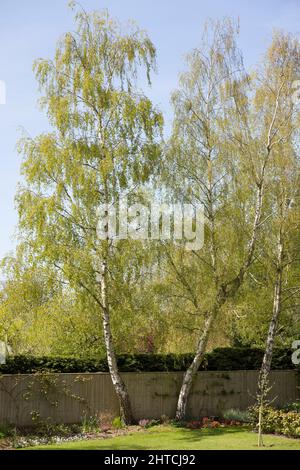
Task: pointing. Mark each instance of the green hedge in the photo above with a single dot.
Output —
(247, 359)
(219, 359)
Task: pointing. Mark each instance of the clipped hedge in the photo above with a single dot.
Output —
(219, 359)
(247, 359)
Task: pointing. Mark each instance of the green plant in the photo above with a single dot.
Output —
(153, 422)
(277, 421)
(35, 416)
(223, 359)
(177, 423)
(236, 415)
(118, 423)
(294, 406)
(90, 424)
(47, 429)
(7, 431)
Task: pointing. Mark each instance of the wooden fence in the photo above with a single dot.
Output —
(67, 398)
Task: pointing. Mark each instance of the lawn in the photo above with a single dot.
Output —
(170, 438)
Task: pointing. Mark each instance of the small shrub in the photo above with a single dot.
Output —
(118, 423)
(295, 406)
(154, 422)
(178, 424)
(236, 415)
(90, 424)
(47, 429)
(7, 431)
(276, 421)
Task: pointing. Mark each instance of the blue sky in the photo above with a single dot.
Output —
(30, 29)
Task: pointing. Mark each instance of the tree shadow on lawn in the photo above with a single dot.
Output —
(244, 440)
(154, 438)
(208, 432)
(168, 438)
(197, 435)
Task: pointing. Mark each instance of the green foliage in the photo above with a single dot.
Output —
(219, 359)
(31, 365)
(118, 423)
(294, 406)
(90, 424)
(277, 421)
(237, 415)
(247, 359)
(39, 315)
(7, 431)
(105, 143)
(48, 429)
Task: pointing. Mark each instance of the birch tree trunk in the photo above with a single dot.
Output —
(230, 288)
(263, 381)
(192, 370)
(119, 385)
(257, 149)
(224, 292)
(266, 364)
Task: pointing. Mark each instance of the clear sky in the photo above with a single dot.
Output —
(30, 28)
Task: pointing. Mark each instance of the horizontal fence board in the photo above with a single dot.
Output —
(68, 398)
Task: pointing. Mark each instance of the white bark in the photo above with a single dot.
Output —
(224, 292)
(119, 385)
(266, 364)
(229, 289)
(192, 370)
(263, 381)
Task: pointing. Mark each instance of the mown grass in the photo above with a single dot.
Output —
(170, 438)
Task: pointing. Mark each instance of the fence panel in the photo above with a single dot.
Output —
(67, 398)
